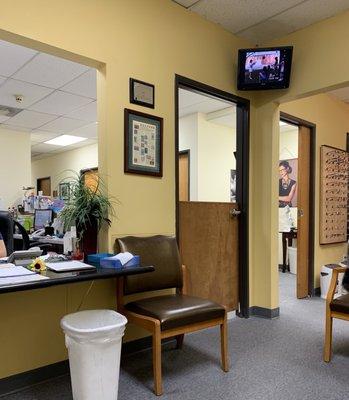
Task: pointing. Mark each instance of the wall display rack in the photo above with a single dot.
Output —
(334, 175)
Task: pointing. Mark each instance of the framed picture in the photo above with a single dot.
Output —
(143, 143)
(64, 191)
(142, 93)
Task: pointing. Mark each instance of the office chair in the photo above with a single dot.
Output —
(26, 241)
(6, 229)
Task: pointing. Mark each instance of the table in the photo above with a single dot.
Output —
(56, 242)
(63, 278)
(287, 238)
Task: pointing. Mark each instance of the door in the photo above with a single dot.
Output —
(303, 217)
(212, 217)
(209, 248)
(44, 185)
(184, 179)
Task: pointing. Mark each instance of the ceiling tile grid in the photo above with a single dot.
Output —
(58, 96)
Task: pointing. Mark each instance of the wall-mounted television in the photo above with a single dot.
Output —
(262, 69)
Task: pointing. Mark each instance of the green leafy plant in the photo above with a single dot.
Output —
(87, 204)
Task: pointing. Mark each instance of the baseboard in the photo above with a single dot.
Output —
(264, 312)
(19, 382)
(316, 292)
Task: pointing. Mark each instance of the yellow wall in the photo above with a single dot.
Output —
(147, 39)
(153, 40)
(331, 117)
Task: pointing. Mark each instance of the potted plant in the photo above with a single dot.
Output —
(88, 208)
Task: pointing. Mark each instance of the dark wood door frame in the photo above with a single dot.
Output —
(41, 179)
(242, 167)
(187, 152)
(290, 119)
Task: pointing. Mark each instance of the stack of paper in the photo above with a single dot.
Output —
(12, 275)
(124, 258)
(65, 266)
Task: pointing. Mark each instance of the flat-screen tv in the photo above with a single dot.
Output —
(262, 69)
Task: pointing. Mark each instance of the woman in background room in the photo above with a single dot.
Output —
(3, 252)
(287, 186)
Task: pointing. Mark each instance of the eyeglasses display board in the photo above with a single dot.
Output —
(334, 164)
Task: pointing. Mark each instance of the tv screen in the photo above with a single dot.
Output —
(262, 69)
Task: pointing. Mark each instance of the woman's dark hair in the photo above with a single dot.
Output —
(286, 165)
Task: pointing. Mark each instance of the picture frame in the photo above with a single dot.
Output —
(143, 153)
(142, 93)
(64, 191)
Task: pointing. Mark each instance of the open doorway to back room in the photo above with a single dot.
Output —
(211, 193)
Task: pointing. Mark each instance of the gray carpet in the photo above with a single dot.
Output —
(270, 360)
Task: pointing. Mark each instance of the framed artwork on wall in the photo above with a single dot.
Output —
(143, 143)
(142, 93)
(64, 191)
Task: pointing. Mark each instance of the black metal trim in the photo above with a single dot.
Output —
(263, 312)
(242, 162)
(301, 122)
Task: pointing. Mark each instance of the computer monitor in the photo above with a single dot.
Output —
(41, 218)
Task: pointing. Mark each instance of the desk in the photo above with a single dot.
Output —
(62, 278)
(56, 242)
(287, 238)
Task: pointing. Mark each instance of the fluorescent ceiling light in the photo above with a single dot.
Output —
(65, 140)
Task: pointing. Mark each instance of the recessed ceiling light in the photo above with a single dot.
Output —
(65, 140)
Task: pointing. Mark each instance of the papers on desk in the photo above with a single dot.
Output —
(12, 275)
(66, 266)
(124, 258)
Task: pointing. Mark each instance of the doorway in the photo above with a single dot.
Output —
(296, 207)
(212, 192)
(44, 186)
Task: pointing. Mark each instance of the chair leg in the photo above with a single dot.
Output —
(328, 338)
(224, 345)
(157, 361)
(179, 340)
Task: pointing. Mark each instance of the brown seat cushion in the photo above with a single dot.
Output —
(340, 304)
(177, 310)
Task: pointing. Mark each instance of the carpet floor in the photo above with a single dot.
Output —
(279, 359)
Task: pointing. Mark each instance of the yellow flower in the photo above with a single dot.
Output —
(38, 265)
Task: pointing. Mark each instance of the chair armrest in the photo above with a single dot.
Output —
(185, 280)
(332, 289)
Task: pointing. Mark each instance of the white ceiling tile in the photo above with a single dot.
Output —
(295, 18)
(84, 85)
(13, 57)
(60, 103)
(49, 71)
(88, 131)
(31, 93)
(2, 79)
(44, 148)
(236, 15)
(40, 136)
(3, 118)
(86, 113)
(63, 125)
(29, 119)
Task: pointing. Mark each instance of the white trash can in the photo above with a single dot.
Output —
(93, 339)
(292, 258)
(325, 280)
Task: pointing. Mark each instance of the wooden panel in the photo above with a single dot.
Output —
(183, 176)
(209, 249)
(44, 185)
(303, 188)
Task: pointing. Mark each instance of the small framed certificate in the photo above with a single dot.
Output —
(143, 143)
(142, 93)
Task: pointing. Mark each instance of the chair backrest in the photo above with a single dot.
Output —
(24, 233)
(6, 229)
(158, 251)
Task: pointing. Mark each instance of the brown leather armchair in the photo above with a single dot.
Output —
(335, 308)
(170, 315)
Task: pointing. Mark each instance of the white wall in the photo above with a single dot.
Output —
(211, 157)
(188, 140)
(60, 165)
(15, 171)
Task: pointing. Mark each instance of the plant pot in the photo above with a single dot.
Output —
(89, 238)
